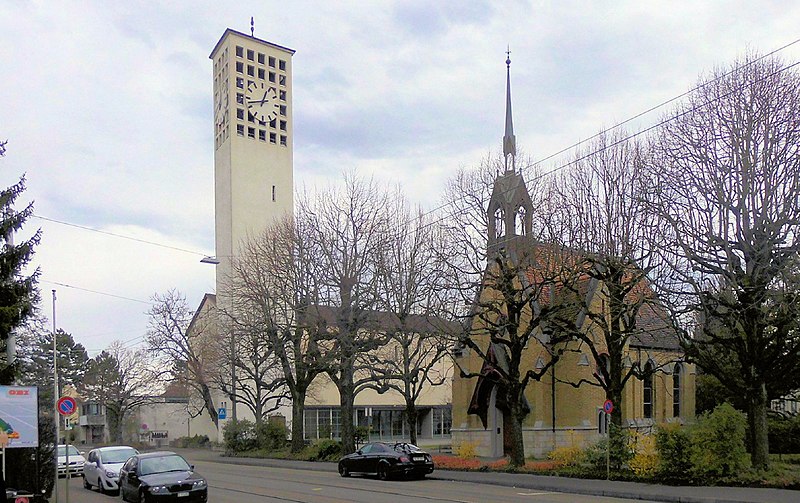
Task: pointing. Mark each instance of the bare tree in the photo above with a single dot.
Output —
(418, 353)
(728, 172)
(123, 380)
(185, 343)
(602, 216)
(347, 232)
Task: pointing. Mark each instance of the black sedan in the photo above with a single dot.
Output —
(386, 460)
(161, 476)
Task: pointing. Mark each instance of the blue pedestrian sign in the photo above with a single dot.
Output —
(222, 413)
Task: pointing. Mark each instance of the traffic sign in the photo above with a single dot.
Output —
(222, 413)
(608, 406)
(66, 405)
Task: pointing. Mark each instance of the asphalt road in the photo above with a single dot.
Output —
(251, 484)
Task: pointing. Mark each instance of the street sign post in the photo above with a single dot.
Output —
(222, 413)
(608, 408)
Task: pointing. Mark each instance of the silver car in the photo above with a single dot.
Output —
(76, 461)
(102, 466)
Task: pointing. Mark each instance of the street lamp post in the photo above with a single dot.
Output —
(55, 400)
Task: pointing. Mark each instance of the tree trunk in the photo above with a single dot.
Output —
(515, 426)
(757, 423)
(209, 404)
(411, 421)
(346, 416)
(298, 427)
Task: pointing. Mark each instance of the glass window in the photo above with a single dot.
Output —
(240, 98)
(442, 421)
(283, 125)
(310, 424)
(283, 140)
(240, 129)
(250, 54)
(273, 138)
(239, 51)
(283, 112)
(272, 62)
(251, 132)
(272, 76)
(282, 80)
(262, 135)
(336, 421)
(240, 113)
(240, 82)
(676, 391)
(261, 58)
(163, 464)
(648, 395)
(397, 423)
(240, 67)
(261, 73)
(283, 95)
(251, 70)
(282, 65)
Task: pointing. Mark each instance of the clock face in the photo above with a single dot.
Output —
(262, 102)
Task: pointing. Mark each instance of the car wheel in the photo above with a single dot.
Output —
(86, 484)
(100, 486)
(143, 497)
(383, 471)
(343, 471)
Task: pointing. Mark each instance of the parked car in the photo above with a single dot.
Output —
(161, 476)
(76, 460)
(102, 467)
(385, 460)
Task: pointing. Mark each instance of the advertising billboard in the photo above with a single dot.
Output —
(19, 416)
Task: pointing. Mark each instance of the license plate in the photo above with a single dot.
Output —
(418, 458)
(183, 494)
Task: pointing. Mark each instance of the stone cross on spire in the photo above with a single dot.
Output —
(509, 140)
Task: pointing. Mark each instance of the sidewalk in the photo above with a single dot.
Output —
(593, 487)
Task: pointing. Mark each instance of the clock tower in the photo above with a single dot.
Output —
(252, 140)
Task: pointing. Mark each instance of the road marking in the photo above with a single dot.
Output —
(535, 494)
(317, 489)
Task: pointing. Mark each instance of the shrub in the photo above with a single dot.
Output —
(466, 450)
(326, 450)
(239, 436)
(361, 434)
(271, 436)
(567, 456)
(193, 442)
(718, 443)
(674, 445)
(645, 461)
(784, 435)
(620, 455)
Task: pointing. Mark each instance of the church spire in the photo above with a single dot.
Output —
(509, 140)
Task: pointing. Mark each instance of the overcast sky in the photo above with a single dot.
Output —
(107, 107)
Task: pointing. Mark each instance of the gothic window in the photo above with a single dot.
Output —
(648, 397)
(676, 390)
(499, 223)
(519, 222)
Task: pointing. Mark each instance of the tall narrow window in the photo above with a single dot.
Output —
(273, 193)
(676, 390)
(499, 224)
(519, 222)
(648, 395)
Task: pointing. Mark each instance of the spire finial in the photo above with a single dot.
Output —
(509, 140)
(252, 27)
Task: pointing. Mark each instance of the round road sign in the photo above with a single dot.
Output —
(608, 406)
(66, 405)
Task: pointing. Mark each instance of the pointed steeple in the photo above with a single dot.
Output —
(509, 140)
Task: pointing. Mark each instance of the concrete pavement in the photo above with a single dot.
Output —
(611, 488)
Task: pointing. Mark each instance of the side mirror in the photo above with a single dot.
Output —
(191, 467)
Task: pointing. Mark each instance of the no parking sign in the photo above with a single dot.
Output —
(66, 405)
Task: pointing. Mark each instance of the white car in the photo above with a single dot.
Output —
(102, 467)
(76, 460)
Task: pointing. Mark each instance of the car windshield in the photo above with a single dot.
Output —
(116, 455)
(62, 451)
(171, 463)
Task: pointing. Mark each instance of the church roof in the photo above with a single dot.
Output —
(382, 321)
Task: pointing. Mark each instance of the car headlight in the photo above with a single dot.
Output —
(112, 475)
(199, 484)
(159, 489)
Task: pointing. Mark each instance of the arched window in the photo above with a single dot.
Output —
(499, 223)
(519, 222)
(648, 397)
(676, 390)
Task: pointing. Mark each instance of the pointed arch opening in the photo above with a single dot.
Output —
(676, 390)
(648, 395)
(519, 221)
(499, 222)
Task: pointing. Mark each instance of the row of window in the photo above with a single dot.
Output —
(649, 394)
(260, 57)
(382, 423)
(274, 138)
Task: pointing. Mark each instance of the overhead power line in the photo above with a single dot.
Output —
(97, 292)
(145, 241)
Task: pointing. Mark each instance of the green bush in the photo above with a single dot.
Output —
(784, 435)
(361, 435)
(325, 450)
(239, 436)
(718, 448)
(674, 444)
(193, 442)
(271, 436)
